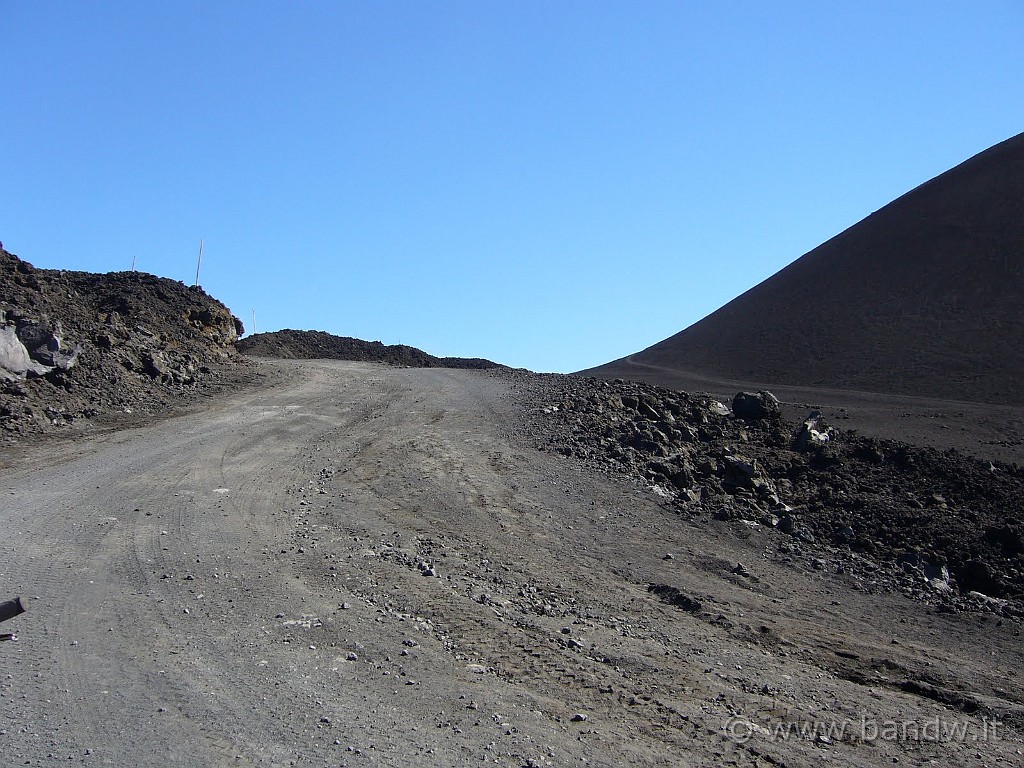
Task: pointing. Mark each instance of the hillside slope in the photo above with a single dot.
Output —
(924, 297)
(75, 345)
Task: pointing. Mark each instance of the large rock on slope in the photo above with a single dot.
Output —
(15, 362)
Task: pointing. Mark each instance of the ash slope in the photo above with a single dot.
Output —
(129, 342)
(925, 297)
(290, 344)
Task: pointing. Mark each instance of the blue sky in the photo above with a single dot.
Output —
(548, 184)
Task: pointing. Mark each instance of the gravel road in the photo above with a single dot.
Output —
(353, 565)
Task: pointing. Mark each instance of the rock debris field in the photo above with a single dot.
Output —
(939, 526)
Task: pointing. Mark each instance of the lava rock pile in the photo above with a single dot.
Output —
(948, 526)
(77, 345)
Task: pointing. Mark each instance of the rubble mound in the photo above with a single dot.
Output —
(940, 526)
(77, 345)
(319, 345)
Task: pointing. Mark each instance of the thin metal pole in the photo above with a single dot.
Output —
(133, 261)
(254, 320)
(200, 264)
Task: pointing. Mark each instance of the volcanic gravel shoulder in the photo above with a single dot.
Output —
(853, 499)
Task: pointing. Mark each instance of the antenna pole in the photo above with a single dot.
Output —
(200, 263)
(254, 320)
(134, 256)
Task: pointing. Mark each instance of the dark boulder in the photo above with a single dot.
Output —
(756, 406)
(739, 472)
(976, 576)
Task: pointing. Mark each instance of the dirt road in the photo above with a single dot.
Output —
(360, 565)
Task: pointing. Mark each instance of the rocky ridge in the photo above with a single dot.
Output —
(939, 526)
(78, 345)
(318, 345)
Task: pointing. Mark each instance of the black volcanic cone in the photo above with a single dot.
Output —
(923, 297)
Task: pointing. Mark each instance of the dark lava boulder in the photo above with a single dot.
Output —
(756, 405)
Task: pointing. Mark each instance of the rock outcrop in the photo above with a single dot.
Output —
(32, 348)
(75, 345)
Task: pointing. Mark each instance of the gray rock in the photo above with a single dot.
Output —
(718, 408)
(42, 340)
(915, 563)
(15, 361)
(156, 365)
(690, 496)
(66, 360)
(813, 434)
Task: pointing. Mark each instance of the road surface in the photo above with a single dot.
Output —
(355, 565)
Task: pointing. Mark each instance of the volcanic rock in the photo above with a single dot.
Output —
(76, 345)
(843, 499)
(754, 406)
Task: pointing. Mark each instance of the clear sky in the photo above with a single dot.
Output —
(549, 184)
